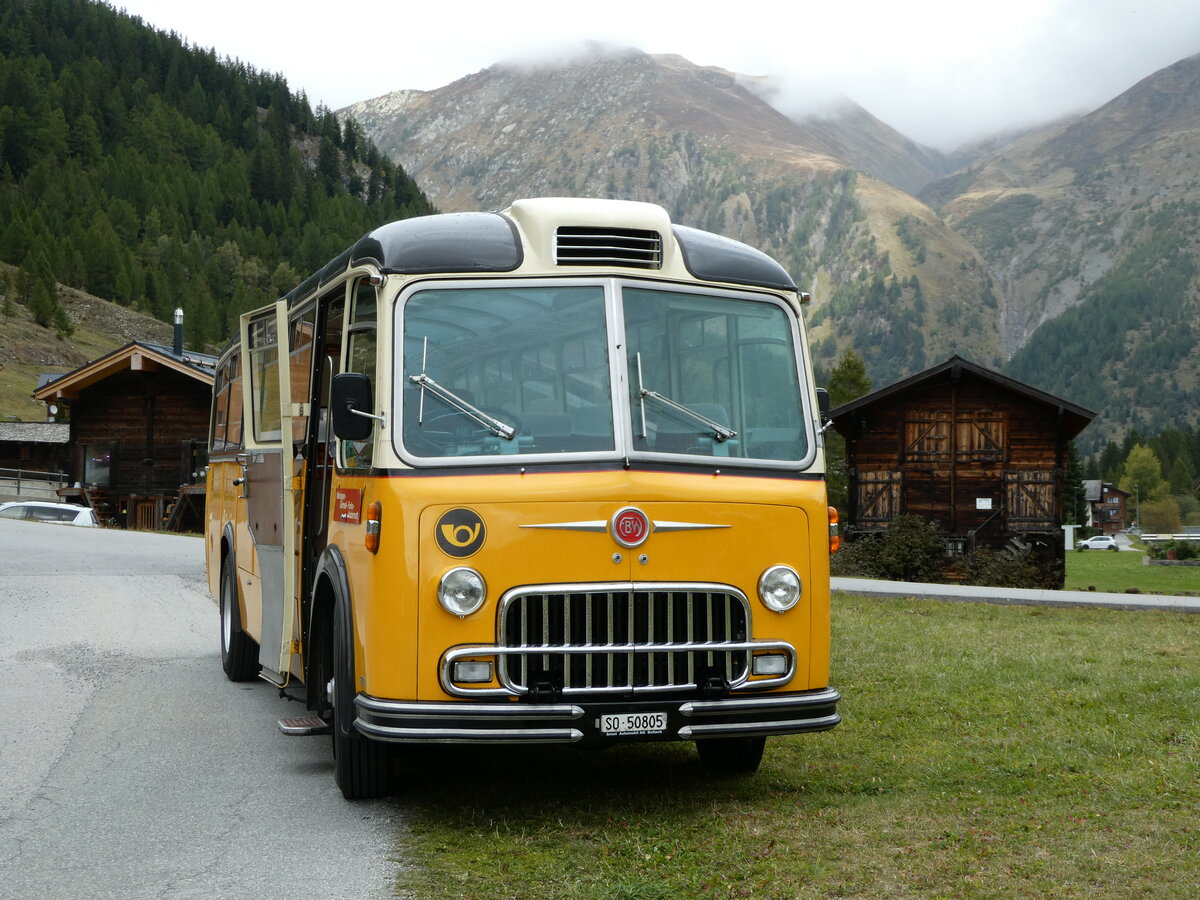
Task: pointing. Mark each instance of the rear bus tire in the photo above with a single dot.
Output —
(239, 654)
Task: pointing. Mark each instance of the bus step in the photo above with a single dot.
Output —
(302, 726)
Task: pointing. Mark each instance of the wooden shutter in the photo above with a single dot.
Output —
(878, 499)
(927, 435)
(981, 435)
(1029, 499)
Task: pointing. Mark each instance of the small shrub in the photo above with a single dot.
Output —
(987, 568)
(1181, 549)
(856, 558)
(910, 550)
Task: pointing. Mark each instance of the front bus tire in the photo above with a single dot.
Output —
(239, 654)
(732, 756)
(360, 765)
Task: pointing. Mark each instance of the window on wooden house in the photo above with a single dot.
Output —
(1029, 499)
(927, 435)
(981, 435)
(878, 498)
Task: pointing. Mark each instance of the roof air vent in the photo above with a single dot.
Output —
(579, 245)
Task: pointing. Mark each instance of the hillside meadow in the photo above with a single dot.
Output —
(986, 751)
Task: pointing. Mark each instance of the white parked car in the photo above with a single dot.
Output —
(46, 511)
(1099, 542)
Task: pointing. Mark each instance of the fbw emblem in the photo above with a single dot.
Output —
(629, 526)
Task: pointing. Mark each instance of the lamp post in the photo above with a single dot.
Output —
(1137, 493)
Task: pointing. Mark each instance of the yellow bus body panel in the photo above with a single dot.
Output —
(760, 522)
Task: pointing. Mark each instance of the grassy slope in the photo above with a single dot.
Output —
(27, 350)
(987, 751)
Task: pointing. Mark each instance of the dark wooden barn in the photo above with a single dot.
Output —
(32, 454)
(982, 455)
(139, 431)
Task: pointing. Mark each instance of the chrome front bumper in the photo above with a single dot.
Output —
(568, 723)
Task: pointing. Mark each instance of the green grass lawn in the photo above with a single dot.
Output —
(987, 751)
(1104, 570)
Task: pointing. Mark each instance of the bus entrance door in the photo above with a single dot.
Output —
(269, 489)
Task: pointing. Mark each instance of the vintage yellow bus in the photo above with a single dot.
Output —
(547, 475)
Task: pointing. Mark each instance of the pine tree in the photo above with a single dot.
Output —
(1074, 493)
(41, 304)
(1181, 476)
(6, 288)
(849, 379)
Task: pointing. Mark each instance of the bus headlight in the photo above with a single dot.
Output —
(462, 591)
(779, 588)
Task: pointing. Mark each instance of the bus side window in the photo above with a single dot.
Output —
(264, 377)
(360, 357)
(225, 432)
(220, 413)
(233, 431)
(303, 331)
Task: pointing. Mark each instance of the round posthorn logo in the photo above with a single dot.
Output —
(460, 532)
(629, 526)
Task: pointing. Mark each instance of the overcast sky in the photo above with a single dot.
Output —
(940, 71)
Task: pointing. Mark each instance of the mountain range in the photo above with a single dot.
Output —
(1065, 256)
(147, 172)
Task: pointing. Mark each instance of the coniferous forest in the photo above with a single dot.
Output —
(156, 174)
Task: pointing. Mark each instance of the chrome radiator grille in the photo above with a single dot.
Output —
(580, 246)
(638, 638)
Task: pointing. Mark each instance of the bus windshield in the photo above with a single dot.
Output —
(501, 369)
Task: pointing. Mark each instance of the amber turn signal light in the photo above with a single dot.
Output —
(374, 520)
(835, 540)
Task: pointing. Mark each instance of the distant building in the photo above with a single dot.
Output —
(34, 446)
(982, 455)
(1106, 506)
(32, 457)
(138, 429)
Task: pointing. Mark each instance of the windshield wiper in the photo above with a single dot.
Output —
(492, 424)
(720, 432)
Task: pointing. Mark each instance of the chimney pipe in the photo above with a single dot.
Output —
(178, 347)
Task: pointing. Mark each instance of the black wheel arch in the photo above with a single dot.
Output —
(331, 584)
(227, 552)
(227, 540)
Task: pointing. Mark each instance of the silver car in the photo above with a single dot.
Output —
(1098, 542)
(47, 511)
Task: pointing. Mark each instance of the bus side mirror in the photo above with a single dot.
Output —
(824, 407)
(351, 404)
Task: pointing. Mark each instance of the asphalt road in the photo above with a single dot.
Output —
(129, 766)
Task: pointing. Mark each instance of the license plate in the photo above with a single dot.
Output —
(634, 723)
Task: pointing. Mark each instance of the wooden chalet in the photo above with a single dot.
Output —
(978, 453)
(1106, 506)
(139, 433)
(33, 446)
(32, 456)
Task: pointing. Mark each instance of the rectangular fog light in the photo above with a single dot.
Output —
(770, 664)
(472, 672)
